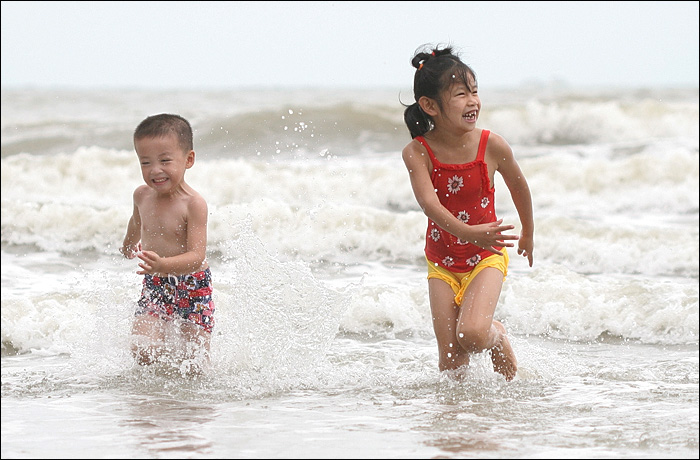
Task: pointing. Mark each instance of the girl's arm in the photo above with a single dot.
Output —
(486, 236)
(515, 180)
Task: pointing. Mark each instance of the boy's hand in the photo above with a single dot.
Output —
(130, 251)
(151, 263)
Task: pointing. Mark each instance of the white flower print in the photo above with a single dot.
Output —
(474, 260)
(484, 202)
(435, 234)
(461, 241)
(454, 184)
(448, 261)
(463, 216)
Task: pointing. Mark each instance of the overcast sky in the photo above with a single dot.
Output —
(347, 44)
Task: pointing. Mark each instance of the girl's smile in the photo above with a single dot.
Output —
(470, 116)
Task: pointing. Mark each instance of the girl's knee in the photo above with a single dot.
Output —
(473, 340)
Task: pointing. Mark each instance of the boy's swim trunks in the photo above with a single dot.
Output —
(188, 296)
(460, 281)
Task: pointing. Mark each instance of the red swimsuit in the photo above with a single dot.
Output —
(465, 190)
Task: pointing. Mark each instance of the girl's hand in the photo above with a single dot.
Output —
(526, 244)
(487, 236)
(151, 263)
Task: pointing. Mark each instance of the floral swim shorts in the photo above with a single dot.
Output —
(187, 296)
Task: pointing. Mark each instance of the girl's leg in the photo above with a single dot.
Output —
(476, 329)
(445, 314)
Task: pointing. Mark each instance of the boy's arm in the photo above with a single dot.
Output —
(520, 194)
(196, 247)
(130, 246)
(487, 236)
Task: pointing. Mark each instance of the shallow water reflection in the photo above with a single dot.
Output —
(162, 426)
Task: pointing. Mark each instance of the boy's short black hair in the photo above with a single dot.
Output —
(166, 123)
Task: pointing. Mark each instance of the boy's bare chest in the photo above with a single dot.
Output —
(164, 219)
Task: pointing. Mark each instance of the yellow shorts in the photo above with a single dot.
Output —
(460, 281)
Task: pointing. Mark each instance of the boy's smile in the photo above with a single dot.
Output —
(163, 163)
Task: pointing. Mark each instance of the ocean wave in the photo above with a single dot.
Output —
(269, 123)
(587, 205)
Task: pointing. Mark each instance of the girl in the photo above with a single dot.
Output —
(451, 164)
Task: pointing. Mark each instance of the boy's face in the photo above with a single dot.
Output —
(163, 162)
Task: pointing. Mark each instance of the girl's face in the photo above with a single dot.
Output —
(163, 162)
(461, 105)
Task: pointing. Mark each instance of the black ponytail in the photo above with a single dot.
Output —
(417, 121)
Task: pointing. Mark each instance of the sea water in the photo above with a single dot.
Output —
(323, 345)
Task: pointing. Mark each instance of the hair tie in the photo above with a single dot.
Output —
(433, 53)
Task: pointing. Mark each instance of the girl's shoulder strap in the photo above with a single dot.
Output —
(424, 143)
(482, 144)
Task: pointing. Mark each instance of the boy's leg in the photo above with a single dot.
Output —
(476, 329)
(147, 338)
(197, 344)
(445, 314)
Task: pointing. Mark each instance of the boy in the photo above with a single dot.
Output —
(168, 232)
